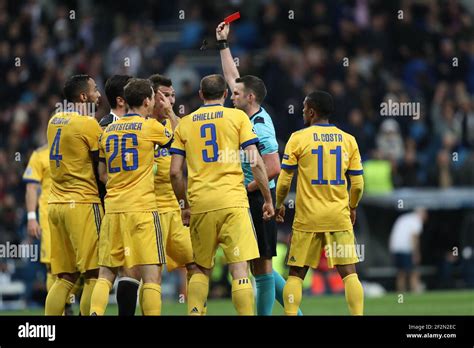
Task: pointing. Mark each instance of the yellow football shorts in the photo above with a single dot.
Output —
(178, 247)
(130, 239)
(230, 228)
(74, 236)
(306, 248)
(45, 235)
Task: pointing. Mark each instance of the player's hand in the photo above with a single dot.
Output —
(268, 211)
(164, 105)
(222, 31)
(353, 215)
(280, 216)
(34, 229)
(186, 216)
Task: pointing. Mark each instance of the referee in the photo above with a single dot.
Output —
(248, 93)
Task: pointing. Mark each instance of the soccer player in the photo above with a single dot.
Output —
(218, 211)
(248, 93)
(328, 162)
(131, 234)
(177, 240)
(74, 209)
(37, 177)
(38, 182)
(129, 279)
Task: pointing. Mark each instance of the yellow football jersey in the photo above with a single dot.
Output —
(211, 138)
(165, 197)
(71, 139)
(128, 145)
(38, 172)
(323, 155)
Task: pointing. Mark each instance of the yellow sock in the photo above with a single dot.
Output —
(354, 294)
(100, 297)
(197, 293)
(151, 299)
(73, 294)
(292, 295)
(57, 295)
(50, 279)
(242, 296)
(85, 305)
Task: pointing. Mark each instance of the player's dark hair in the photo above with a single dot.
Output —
(136, 91)
(321, 102)
(158, 80)
(213, 87)
(74, 86)
(255, 85)
(114, 88)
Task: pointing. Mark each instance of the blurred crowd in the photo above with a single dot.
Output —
(364, 52)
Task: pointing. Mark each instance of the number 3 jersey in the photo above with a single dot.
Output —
(71, 139)
(323, 155)
(210, 138)
(127, 146)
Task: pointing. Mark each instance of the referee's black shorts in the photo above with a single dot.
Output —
(266, 230)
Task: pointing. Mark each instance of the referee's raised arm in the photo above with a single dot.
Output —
(228, 65)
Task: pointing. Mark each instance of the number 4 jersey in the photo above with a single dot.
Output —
(128, 146)
(325, 157)
(71, 139)
(211, 138)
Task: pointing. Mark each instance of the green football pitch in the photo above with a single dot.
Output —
(429, 303)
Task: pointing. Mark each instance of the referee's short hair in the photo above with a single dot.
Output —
(255, 85)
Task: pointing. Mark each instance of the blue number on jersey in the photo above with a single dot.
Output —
(320, 181)
(126, 152)
(54, 152)
(115, 140)
(215, 148)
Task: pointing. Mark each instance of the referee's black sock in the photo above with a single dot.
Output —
(127, 290)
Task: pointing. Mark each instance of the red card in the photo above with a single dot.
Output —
(232, 17)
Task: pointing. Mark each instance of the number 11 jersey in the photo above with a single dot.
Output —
(325, 157)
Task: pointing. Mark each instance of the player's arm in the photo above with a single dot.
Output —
(288, 165)
(355, 194)
(282, 190)
(178, 181)
(32, 177)
(355, 173)
(261, 178)
(167, 109)
(272, 165)
(102, 171)
(179, 186)
(228, 65)
(31, 199)
(95, 164)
